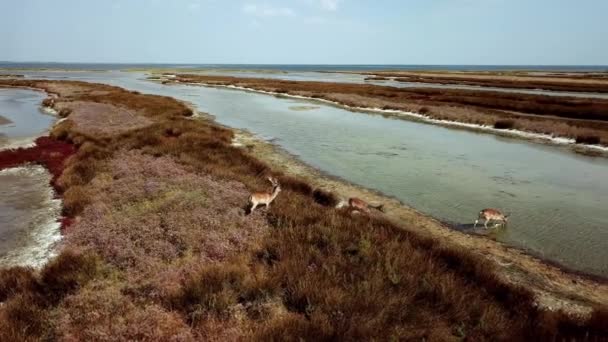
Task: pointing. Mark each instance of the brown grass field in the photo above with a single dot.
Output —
(161, 250)
(574, 82)
(576, 118)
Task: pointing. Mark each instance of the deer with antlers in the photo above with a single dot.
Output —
(493, 215)
(265, 197)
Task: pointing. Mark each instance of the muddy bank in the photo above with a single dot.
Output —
(570, 118)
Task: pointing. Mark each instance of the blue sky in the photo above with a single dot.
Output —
(306, 31)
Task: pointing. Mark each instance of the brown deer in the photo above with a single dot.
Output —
(358, 205)
(491, 215)
(265, 197)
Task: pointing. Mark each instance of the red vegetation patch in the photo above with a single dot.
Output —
(48, 152)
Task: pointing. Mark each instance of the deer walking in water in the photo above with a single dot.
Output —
(265, 197)
(491, 215)
(358, 205)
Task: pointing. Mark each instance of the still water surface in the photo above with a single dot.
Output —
(26, 119)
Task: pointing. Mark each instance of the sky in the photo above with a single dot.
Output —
(457, 32)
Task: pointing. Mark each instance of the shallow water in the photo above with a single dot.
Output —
(28, 216)
(27, 119)
(557, 198)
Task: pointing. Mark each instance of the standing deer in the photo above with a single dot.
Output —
(265, 197)
(491, 215)
(359, 205)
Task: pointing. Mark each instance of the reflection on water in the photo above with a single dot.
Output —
(28, 216)
(557, 198)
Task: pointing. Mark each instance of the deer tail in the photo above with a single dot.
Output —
(379, 207)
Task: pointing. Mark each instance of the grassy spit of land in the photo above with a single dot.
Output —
(4, 121)
(10, 75)
(582, 119)
(160, 248)
(556, 81)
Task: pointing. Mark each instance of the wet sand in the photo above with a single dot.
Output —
(29, 219)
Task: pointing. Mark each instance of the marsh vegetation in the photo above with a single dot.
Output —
(159, 248)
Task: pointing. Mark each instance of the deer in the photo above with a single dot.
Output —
(358, 205)
(265, 197)
(490, 214)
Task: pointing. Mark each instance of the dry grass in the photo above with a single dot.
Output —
(560, 116)
(101, 118)
(100, 312)
(165, 251)
(583, 82)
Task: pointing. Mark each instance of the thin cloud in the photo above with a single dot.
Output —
(330, 5)
(268, 11)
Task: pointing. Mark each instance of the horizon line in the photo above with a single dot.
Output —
(307, 64)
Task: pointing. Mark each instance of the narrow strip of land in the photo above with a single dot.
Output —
(572, 82)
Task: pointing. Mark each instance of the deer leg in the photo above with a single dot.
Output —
(475, 225)
(253, 205)
(486, 223)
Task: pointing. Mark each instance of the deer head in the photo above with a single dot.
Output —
(273, 181)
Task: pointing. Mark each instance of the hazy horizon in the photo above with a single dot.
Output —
(294, 64)
(306, 32)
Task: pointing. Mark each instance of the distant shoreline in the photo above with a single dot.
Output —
(297, 67)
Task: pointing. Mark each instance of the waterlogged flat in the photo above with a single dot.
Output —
(28, 216)
(24, 118)
(557, 198)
